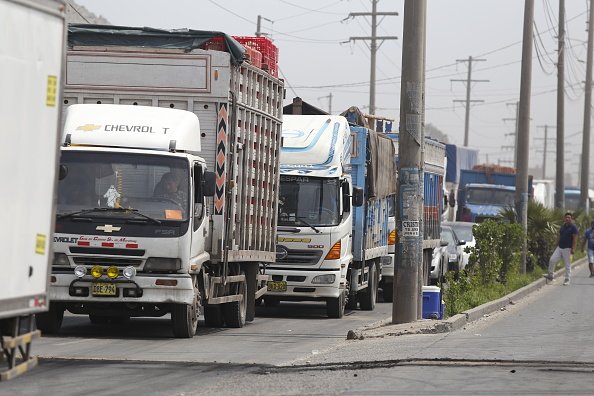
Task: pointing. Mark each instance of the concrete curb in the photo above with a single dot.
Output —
(384, 327)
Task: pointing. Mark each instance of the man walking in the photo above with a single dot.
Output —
(589, 237)
(565, 248)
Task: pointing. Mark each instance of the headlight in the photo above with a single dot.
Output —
(60, 259)
(453, 257)
(113, 272)
(158, 264)
(326, 279)
(80, 271)
(129, 272)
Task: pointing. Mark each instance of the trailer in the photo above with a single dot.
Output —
(30, 112)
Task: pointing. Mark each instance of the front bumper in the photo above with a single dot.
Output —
(63, 288)
(300, 286)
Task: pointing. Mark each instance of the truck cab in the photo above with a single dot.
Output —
(483, 201)
(314, 233)
(131, 229)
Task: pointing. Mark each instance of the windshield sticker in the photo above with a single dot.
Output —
(112, 195)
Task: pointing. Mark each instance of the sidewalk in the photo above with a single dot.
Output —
(385, 328)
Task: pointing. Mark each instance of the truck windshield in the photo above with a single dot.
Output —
(315, 200)
(572, 201)
(154, 185)
(490, 196)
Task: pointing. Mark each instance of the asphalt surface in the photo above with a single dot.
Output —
(541, 344)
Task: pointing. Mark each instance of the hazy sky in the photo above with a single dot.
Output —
(316, 59)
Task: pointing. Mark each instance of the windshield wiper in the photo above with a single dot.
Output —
(307, 224)
(128, 210)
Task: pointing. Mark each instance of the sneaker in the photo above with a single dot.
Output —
(566, 283)
(548, 277)
(592, 275)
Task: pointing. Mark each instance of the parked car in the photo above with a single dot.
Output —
(464, 233)
(438, 269)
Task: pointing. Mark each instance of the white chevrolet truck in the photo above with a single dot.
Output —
(168, 181)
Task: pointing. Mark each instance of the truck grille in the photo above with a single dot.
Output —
(304, 257)
(118, 262)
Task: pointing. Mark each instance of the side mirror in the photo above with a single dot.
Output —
(443, 243)
(358, 196)
(208, 184)
(460, 243)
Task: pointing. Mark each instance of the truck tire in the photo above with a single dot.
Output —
(388, 289)
(335, 306)
(251, 279)
(184, 320)
(235, 312)
(213, 316)
(368, 296)
(50, 322)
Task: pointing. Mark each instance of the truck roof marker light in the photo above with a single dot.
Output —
(334, 253)
(392, 237)
(172, 144)
(68, 140)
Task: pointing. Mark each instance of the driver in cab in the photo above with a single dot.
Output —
(169, 188)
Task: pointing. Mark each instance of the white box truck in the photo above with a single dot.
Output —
(154, 114)
(32, 41)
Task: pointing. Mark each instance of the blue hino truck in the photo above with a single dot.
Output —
(336, 181)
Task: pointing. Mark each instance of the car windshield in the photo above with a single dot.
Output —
(447, 236)
(312, 200)
(153, 185)
(490, 196)
(463, 231)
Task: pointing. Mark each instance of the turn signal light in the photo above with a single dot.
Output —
(96, 271)
(334, 253)
(392, 238)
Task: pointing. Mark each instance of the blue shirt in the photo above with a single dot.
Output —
(566, 232)
(589, 236)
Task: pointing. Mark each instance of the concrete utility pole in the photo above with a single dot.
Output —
(544, 153)
(584, 174)
(524, 127)
(467, 102)
(259, 26)
(409, 256)
(373, 45)
(560, 173)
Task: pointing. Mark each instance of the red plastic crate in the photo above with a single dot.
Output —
(253, 56)
(268, 50)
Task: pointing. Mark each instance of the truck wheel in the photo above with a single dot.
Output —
(368, 296)
(235, 312)
(335, 306)
(388, 289)
(251, 279)
(50, 322)
(213, 316)
(184, 320)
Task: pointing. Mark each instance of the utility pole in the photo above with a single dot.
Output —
(560, 173)
(373, 45)
(409, 256)
(468, 82)
(585, 157)
(329, 96)
(544, 154)
(515, 134)
(259, 26)
(524, 127)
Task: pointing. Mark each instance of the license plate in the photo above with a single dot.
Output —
(277, 286)
(104, 289)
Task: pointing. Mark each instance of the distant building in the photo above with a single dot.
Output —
(76, 13)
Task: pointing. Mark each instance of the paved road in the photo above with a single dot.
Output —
(544, 344)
